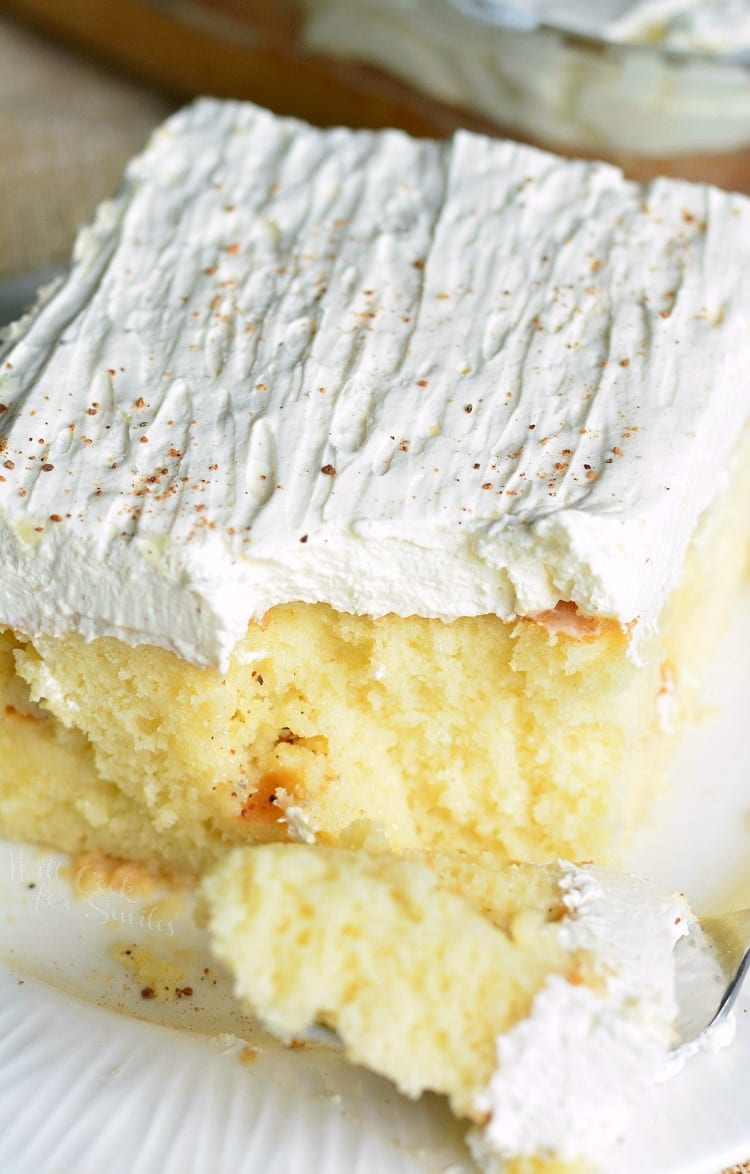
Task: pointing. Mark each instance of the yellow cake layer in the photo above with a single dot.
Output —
(474, 735)
(416, 976)
(422, 965)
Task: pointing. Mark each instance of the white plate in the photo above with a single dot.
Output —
(94, 1078)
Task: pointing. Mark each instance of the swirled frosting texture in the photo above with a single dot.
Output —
(390, 375)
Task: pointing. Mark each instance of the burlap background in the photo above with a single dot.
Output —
(66, 129)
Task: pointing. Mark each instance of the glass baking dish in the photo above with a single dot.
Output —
(432, 65)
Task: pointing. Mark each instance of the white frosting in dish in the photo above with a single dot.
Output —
(569, 1074)
(711, 26)
(702, 26)
(516, 64)
(389, 375)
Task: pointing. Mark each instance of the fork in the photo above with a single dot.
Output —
(711, 963)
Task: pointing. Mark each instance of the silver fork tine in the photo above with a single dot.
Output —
(730, 936)
(711, 965)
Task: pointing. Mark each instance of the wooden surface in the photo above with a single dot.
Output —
(243, 49)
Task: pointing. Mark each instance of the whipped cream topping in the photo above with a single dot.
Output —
(388, 375)
(567, 1076)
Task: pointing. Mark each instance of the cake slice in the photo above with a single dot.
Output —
(540, 1000)
(341, 463)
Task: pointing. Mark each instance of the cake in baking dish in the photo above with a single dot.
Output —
(539, 999)
(352, 477)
